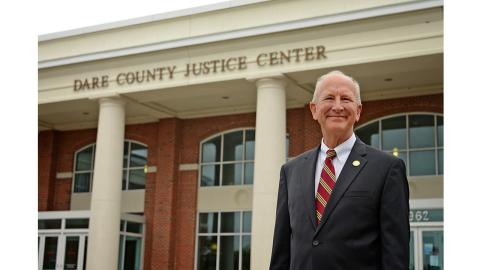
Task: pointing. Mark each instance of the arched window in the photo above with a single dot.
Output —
(83, 170)
(134, 162)
(417, 138)
(227, 159)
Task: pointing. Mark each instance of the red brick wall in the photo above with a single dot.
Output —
(312, 133)
(198, 129)
(295, 130)
(379, 108)
(47, 157)
(170, 194)
(186, 217)
(149, 212)
(161, 214)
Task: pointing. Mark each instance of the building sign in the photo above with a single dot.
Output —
(426, 215)
(203, 68)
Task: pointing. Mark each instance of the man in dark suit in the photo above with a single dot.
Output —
(344, 204)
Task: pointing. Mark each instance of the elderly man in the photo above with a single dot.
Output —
(342, 205)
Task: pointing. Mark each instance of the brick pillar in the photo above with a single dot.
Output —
(312, 132)
(163, 219)
(186, 215)
(149, 211)
(295, 129)
(46, 169)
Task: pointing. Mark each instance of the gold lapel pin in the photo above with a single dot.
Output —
(356, 163)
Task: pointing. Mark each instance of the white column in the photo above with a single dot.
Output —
(270, 134)
(104, 228)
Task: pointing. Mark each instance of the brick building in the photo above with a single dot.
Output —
(161, 138)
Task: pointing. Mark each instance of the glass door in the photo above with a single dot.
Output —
(62, 252)
(47, 252)
(73, 252)
(426, 248)
(413, 250)
(432, 248)
(130, 254)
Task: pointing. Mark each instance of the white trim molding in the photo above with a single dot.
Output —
(148, 19)
(426, 203)
(188, 167)
(227, 35)
(64, 175)
(151, 169)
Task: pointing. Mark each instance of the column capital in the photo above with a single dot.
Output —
(108, 97)
(112, 101)
(272, 80)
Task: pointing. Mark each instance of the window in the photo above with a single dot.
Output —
(416, 138)
(83, 174)
(134, 161)
(63, 240)
(228, 158)
(223, 240)
(130, 246)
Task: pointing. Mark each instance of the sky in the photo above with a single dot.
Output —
(21, 22)
(63, 15)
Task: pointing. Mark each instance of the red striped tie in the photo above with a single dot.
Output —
(325, 186)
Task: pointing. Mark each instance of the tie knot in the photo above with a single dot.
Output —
(331, 153)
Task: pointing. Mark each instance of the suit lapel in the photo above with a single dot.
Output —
(308, 184)
(346, 177)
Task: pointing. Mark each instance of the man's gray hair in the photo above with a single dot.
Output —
(333, 73)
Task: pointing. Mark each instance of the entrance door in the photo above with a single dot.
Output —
(432, 248)
(47, 252)
(62, 252)
(426, 248)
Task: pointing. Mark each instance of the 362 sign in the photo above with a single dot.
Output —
(419, 216)
(426, 215)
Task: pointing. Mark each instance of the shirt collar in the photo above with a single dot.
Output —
(342, 150)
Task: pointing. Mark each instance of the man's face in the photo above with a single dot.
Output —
(336, 108)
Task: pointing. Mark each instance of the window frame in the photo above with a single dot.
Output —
(219, 234)
(94, 146)
(243, 161)
(123, 239)
(127, 169)
(409, 149)
(220, 163)
(86, 214)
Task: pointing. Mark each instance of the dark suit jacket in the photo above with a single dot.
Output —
(365, 224)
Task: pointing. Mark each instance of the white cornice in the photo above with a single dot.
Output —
(148, 19)
(248, 32)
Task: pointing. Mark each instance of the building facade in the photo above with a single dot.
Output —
(161, 138)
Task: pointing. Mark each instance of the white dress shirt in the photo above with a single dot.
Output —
(343, 151)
